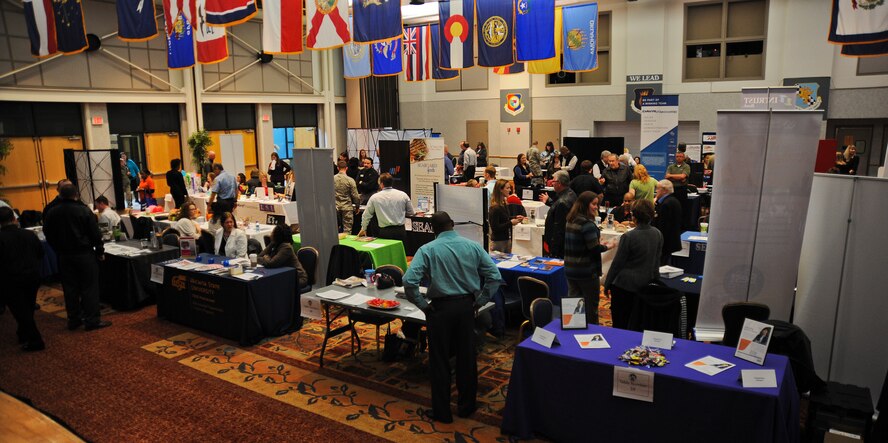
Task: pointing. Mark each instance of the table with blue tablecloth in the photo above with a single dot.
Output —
(246, 311)
(553, 277)
(566, 394)
(696, 252)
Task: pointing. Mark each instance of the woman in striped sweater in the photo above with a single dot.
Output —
(582, 253)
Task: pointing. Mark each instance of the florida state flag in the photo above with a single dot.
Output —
(212, 45)
(282, 26)
(41, 27)
(327, 24)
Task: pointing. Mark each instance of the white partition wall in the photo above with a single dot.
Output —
(468, 209)
(232, 152)
(765, 164)
(841, 302)
(315, 197)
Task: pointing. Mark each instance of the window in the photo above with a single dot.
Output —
(224, 117)
(600, 76)
(295, 126)
(872, 66)
(725, 40)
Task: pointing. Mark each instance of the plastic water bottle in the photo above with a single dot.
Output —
(257, 226)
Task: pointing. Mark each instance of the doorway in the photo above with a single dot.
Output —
(477, 131)
(33, 169)
(868, 136)
(545, 131)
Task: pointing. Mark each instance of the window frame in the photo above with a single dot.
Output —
(723, 41)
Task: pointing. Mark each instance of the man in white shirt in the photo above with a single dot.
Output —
(470, 160)
(391, 208)
(106, 214)
(600, 167)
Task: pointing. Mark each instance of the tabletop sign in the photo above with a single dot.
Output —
(634, 384)
(758, 378)
(311, 307)
(754, 340)
(157, 274)
(266, 207)
(654, 339)
(573, 313)
(527, 194)
(545, 338)
(187, 247)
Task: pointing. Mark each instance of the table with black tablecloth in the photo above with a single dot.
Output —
(691, 291)
(124, 281)
(246, 311)
(566, 394)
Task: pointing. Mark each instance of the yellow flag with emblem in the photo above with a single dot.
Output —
(549, 65)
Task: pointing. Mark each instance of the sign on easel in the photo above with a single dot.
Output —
(426, 169)
(754, 340)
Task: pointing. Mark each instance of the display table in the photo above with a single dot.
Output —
(692, 294)
(264, 230)
(259, 210)
(536, 210)
(246, 311)
(419, 232)
(693, 263)
(124, 275)
(554, 277)
(382, 252)
(534, 245)
(566, 394)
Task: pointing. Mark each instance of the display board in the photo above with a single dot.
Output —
(659, 133)
(394, 158)
(231, 147)
(315, 196)
(590, 148)
(368, 140)
(426, 169)
(95, 173)
(467, 208)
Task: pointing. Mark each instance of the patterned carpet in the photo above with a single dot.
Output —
(361, 391)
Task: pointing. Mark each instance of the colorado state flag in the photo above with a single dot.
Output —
(495, 23)
(437, 72)
(457, 19)
(135, 20)
(376, 20)
(534, 21)
(387, 58)
(580, 37)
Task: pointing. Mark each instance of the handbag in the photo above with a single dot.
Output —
(384, 281)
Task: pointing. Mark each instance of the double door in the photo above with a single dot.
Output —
(33, 169)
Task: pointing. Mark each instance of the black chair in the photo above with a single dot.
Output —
(253, 246)
(660, 308)
(346, 261)
(308, 258)
(395, 272)
(171, 239)
(511, 302)
(206, 243)
(734, 314)
(789, 340)
(531, 289)
(142, 227)
(541, 311)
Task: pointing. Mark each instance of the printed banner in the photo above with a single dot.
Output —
(437, 72)
(69, 25)
(417, 50)
(135, 20)
(393, 158)
(426, 169)
(634, 93)
(859, 21)
(813, 92)
(495, 25)
(327, 24)
(534, 22)
(180, 37)
(659, 133)
(229, 12)
(553, 64)
(212, 44)
(580, 38)
(457, 20)
(356, 60)
(41, 27)
(282, 26)
(376, 20)
(387, 58)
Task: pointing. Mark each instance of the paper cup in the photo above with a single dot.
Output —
(254, 259)
(704, 227)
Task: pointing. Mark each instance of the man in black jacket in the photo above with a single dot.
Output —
(368, 180)
(72, 231)
(585, 181)
(57, 199)
(176, 182)
(615, 179)
(21, 255)
(556, 219)
(668, 219)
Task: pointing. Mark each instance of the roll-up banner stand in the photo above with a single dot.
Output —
(659, 133)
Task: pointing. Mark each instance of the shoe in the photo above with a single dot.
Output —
(99, 325)
(431, 415)
(72, 325)
(467, 414)
(33, 346)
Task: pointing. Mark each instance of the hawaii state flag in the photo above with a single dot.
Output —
(135, 20)
(212, 45)
(495, 24)
(41, 27)
(327, 24)
(376, 20)
(356, 60)
(437, 72)
(70, 28)
(386, 58)
(417, 50)
(229, 12)
(282, 26)
(457, 20)
(514, 68)
(580, 37)
(550, 65)
(177, 16)
(534, 21)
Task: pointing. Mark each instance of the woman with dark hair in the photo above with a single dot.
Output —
(500, 219)
(146, 188)
(362, 154)
(547, 157)
(636, 263)
(277, 169)
(230, 241)
(242, 187)
(522, 172)
(279, 253)
(354, 168)
(185, 223)
(481, 152)
(582, 253)
(176, 182)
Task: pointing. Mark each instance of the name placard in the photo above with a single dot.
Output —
(634, 384)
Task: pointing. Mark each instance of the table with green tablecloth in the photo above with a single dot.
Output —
(382, 252)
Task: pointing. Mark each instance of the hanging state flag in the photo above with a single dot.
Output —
(41, 27)
(376, 20)
(212, 45)
(282, 26)
(865, 49)
(858, 21)
(580, 37)
(495, 25)
(135, 20)
(327, 24)
(553, 64)
(387, 58)
(69, 25)
(229, 12)
(457, 21)
(356, 60)
(417, 50)
(514, 68)
(177, 16)
(437, 72)
(534, 21)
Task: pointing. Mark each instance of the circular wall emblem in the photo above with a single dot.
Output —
(575, 39)
(494, 31)
(325, 6)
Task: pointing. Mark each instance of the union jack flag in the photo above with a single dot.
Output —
(417, 51)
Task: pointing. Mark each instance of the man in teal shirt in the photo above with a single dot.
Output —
(456, 267)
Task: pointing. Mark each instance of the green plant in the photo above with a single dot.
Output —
(5, 150)
(199, 142)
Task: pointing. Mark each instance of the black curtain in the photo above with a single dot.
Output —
(379, 102)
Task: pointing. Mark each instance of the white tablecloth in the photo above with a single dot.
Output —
(249, 230)
(505, 173)
(537, 208)
(534, 246)
(250, 209)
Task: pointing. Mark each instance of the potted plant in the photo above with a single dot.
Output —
(5, 150)
(199, 141)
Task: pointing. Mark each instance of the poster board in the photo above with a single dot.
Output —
(659, 133)
(426, 169)
(394, 158)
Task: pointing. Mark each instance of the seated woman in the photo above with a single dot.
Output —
(253, 182)
(279, 253)
(263, 191)
(241, 183)
(146, 189)
(185, 224)
(230, 241)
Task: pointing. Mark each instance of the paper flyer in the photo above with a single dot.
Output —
(592, 341)
(754, 340)
(710, 365)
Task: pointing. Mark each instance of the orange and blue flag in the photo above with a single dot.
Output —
(386, 58)
(70, 28)
(135, 20)
(580, 37)
(437, 72)
(457, 21)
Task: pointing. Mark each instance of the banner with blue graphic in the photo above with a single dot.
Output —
(659, 133)
(534, 26)
(495, 33)
(580, 37)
